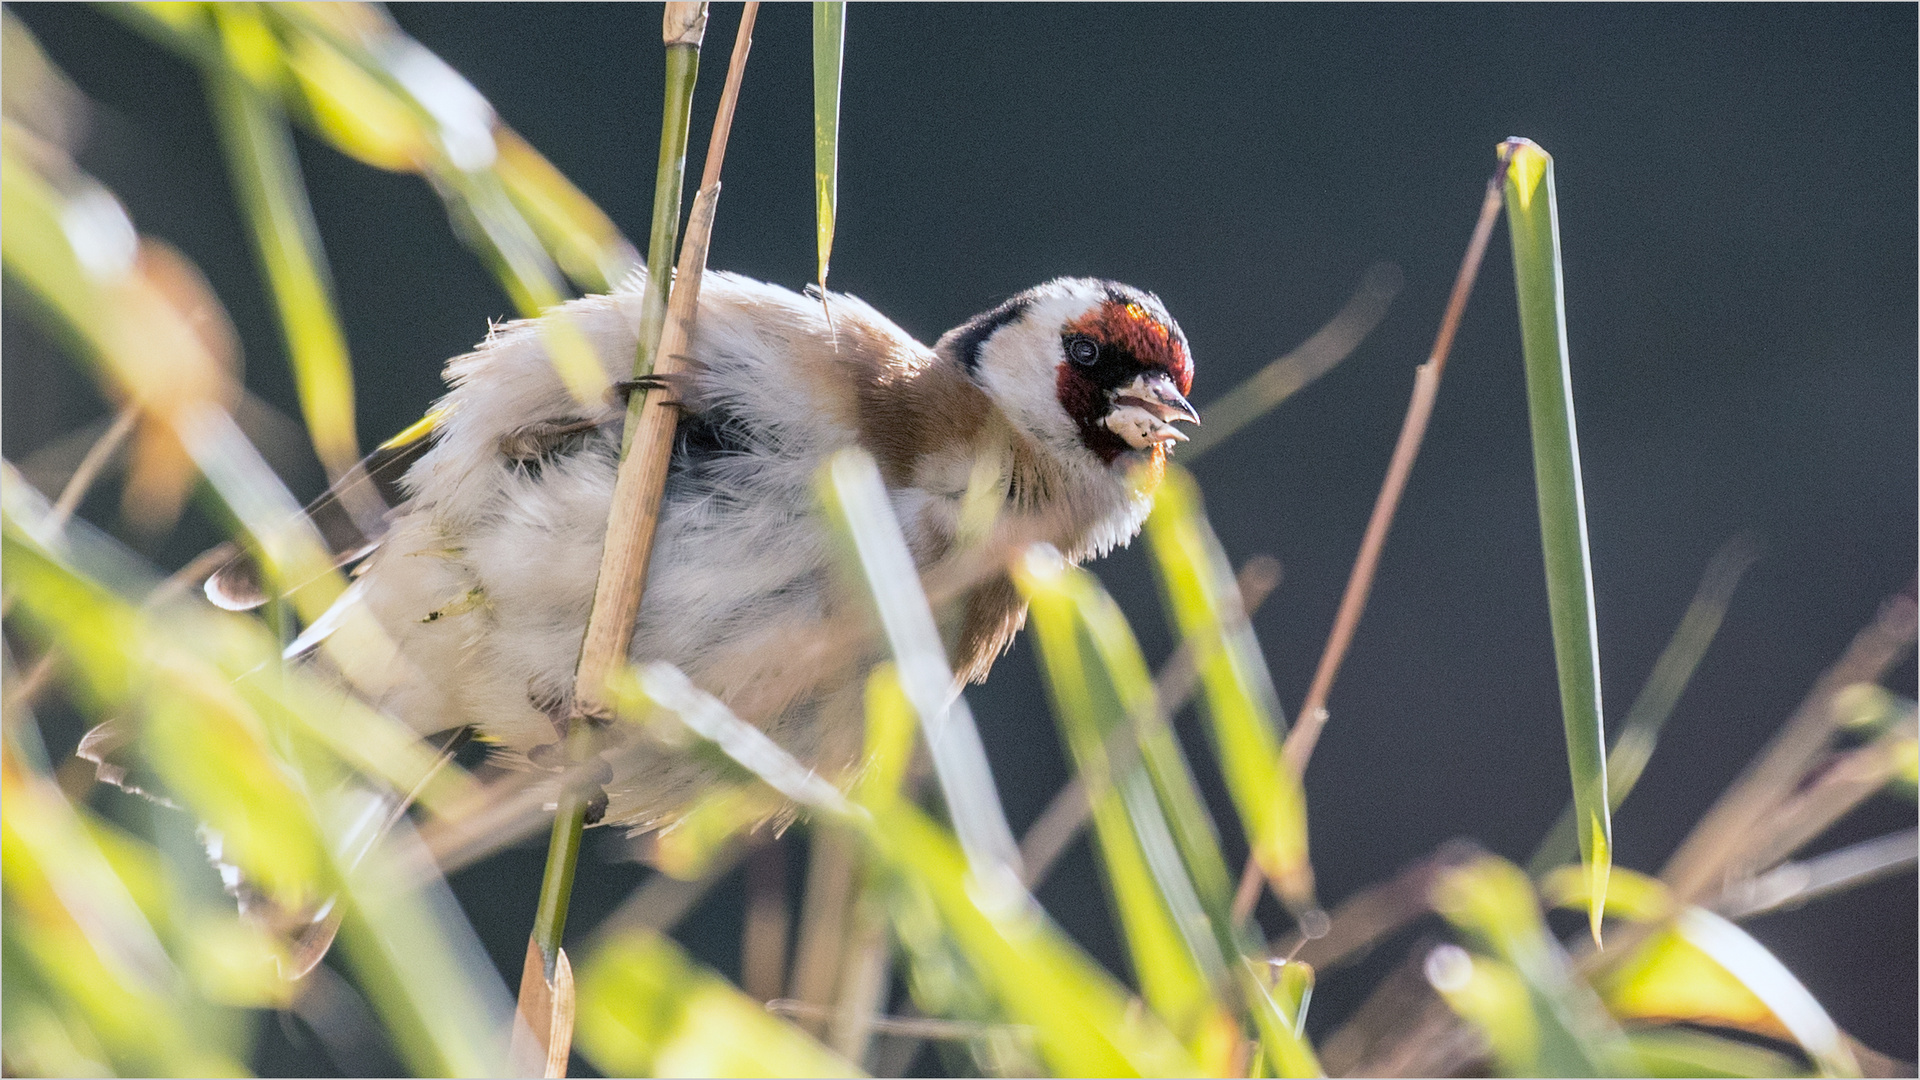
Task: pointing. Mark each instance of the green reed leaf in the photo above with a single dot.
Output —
(273, 196)
(1168, 934)
(1533, 220)
(1640, 732)
(1493, 903)
(1241, 706)
(646, 1009)
(829, 47)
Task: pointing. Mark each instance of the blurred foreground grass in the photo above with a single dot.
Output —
(123, 956)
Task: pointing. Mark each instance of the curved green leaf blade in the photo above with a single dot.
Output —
(1533, 220)
(1083, 1022)
(1168, 934)
(1241, 706)
(647, 1010)
(267, 179)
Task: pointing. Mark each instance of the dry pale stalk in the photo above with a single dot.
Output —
(1426, 388)
(1723, 847)
(546, 1002)
(643, 472)
(530, 1054)
(97, 457)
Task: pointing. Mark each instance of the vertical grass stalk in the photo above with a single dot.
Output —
(1533, 219)
(636, 504)
(684, 32)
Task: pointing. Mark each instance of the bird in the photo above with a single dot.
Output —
(1060, 402)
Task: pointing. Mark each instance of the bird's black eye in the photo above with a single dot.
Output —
(1083, 351)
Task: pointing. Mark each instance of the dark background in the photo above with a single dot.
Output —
(1737, 202)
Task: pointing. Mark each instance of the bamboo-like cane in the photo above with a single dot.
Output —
(546, 990)
(643, 472)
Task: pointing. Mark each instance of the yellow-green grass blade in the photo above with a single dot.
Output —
(1682, 1052)
(891, 727)
(829, 47)
(693, 845)
(857, 504)
(1491, 995)
(360, 115)
(1293, 990)
(1083, 1022)
(581, 238)
(70, 243)
(242, 650)
(1640, 731)
(1533, 219)
(1125, 667)
(1279, 1022)
(1241, 706)
(1116, 654)
(1174, 954)
(1701, 968)
(219, 757)
(1493, 903)
(419, 961)
(377, 93)
(266, 175)
(646, 1009)
(89, 985)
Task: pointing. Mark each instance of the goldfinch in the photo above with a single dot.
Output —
(1064, 398)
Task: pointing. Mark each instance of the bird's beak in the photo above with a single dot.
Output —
(1145, 410)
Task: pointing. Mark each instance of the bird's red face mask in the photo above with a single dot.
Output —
(1124, 380)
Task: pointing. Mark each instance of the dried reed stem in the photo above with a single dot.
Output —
(1426, 388)
(643, 472)
(546, 1007)
(1723, 847)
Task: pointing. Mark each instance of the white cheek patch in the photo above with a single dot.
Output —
(1141, 428)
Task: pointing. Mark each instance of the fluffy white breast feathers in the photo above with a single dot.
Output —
(483, 572)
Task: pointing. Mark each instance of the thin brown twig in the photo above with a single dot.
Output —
(90, 466)
(1374, 914)
(1332, 343)
(638, 487)
(831, 875)
(26, 690)
(1426, 388)
(664, 900)
(763, 938)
